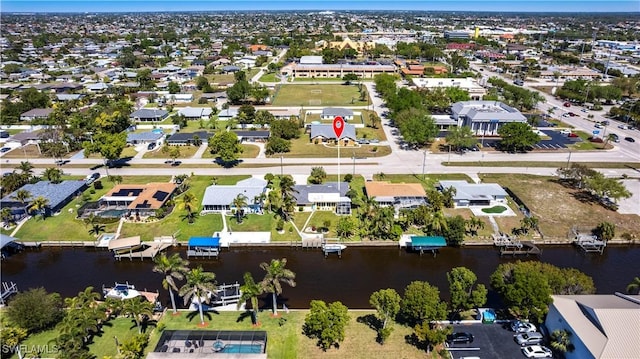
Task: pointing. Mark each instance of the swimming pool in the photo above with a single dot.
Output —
(242, 348)
(113, 213)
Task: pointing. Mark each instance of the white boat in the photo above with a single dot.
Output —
(121, 291)
(333, 247)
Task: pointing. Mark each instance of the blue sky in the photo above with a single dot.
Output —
(213, 5)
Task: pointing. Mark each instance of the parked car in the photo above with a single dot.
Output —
(615, 137)
(537, 351)
(623, 127)
(566, 104)
(92, 177)
(519, 326)
(528, 338)
(460, 338)
(597, 125)
(151, 146)
(5, 149)
(630, 139)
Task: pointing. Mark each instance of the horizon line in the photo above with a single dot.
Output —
(319, 9)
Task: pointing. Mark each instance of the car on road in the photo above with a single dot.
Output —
(597, 125)
(623, 127)
(537, 351)
(528, 338)
(92, 177)
(584, 110)
(615, 137)
(566, 104)
(460, 338)
(519, 326)
(630, 139)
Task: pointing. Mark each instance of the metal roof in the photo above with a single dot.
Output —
(144, 136)
(337, 111)
(56, 193)
(326, 131)
(471, 191)
(312, 193)
(204, 242)
(220, 195)
(427, 242)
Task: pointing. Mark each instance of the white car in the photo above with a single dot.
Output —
(537, 351)
(523, 327)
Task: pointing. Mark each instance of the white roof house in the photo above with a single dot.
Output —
(220, 197)
(470, 194)
(195, 112)
(602, 326)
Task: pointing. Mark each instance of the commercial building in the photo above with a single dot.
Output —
(485, 117)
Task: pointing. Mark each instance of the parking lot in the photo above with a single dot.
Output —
(556, 141)
(490, 341)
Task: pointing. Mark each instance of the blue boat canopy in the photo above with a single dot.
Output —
(428, 242)
(204, 242)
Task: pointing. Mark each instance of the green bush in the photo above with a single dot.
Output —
(35, 309)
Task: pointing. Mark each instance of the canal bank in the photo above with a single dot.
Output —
(350, 279)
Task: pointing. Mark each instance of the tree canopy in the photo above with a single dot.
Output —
(326, 323)
(421, 302)
(517, 137)
(226, 145)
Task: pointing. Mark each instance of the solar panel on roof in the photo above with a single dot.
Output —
(128, 192)
(160, 196)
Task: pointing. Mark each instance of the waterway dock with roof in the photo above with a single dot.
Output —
(422, 244)
(520, 248)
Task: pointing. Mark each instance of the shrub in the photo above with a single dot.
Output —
(348, 177)
(279, 225)
(35, 309)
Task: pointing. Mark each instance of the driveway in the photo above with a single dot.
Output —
(631, 205)
(490, 341)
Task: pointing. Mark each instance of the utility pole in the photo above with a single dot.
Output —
(424, 160)
(569, 159)
(281, 169)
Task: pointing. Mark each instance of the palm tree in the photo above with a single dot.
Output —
(561, 341)
(189, 204)
(22, 195)
(239, 203)
(52, 174)
(139, 308)
(634, 286)
(96, 229)
(26, 169)
(199, 284)
(7, 216)
(250, 290)
(173, 267)
(438, 222)
(474, 224)
(39, 205)
(276, 273)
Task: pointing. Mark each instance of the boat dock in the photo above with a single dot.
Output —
(590, 244)
(8, 289)
(520, 248)
(133, 247)
(333, 246)
(307, 243)
(203, 247)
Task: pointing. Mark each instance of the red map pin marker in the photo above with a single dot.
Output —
(338, 126)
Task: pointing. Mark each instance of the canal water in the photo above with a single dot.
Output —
(350, 279)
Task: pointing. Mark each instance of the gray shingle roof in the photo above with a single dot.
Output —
(149, 113)
(56, 193)
(223, 195)
(37, 112)
(337, 111)
(144, 136)
(195, 111)
(326, 131)
(188, 136)
(302, 196)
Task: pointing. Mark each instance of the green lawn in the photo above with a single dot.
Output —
(545, 164)
(269, 77)
(285, 338)
(185, 152)
(317, 95)
(129, 151)
(252, 223)
(318, 218)
(494, 209)
(300, 218)
(248, 151)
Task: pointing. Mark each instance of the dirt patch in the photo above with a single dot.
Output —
(559, 208)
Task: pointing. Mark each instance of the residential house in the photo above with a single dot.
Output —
(323, 132)
(99, 87)
(284, 114)
(602, 326)
(219, 198)
(196, 113)
(36, 114)
(227, 114)
(332, 112)
(58, 195)
(187, 138)
(330, 196)
(253, 136)
(475, 194)
(138, 199)
(398, 195)
(63, 97)
(179, 98)
(149, 115)
(134, 138)
(485, 117)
